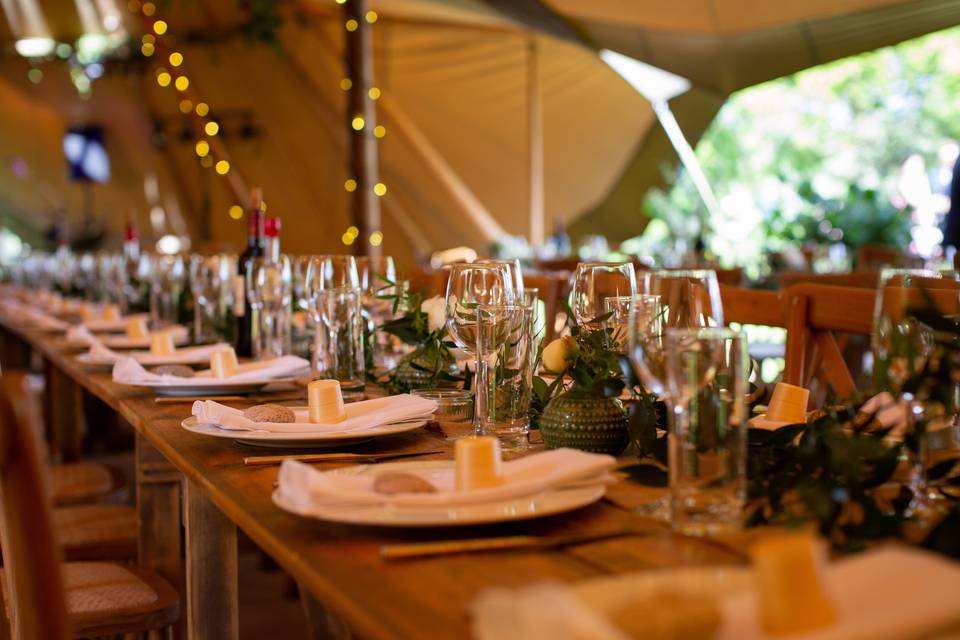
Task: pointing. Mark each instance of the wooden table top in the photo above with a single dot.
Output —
(341, 566)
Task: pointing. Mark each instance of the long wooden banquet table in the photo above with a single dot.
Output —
(201, 483)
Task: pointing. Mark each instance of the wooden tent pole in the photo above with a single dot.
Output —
(361, 118)
(535, 142)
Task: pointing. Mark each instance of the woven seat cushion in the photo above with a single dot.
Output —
(103, 588)
(94, 524)
(80, 481)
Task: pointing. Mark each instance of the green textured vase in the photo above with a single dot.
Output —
(599, 425)
(415, 378)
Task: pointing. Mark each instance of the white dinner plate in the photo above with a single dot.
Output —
(303, 440)
(205, 386)
(545, 503)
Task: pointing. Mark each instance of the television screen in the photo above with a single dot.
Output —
(87, 158)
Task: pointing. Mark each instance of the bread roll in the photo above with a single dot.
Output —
(179, 370)
(270, 413)
(397, 482)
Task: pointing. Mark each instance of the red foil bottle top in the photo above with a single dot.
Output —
(271, 227)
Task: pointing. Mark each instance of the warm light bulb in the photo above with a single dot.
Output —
(374, 93)
(148, 9)
(376, 238)
(182, 83)
(211, 128)
(202, 109)
(202, 148)
(379, 131)
(379, 188)
(206, 162)
(176, 59)
(148, 38)
(352, 25)
(346, 83)
(223, 167)
(353, 231)
(159, 27)
(346, 238)
(357, 123)
(371, 16)
(350, 185)
(236, 212)
(186, 106)
(147, 49)
(163, 79)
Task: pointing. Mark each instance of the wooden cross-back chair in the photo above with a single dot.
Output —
(47, 598)
(753, 306)
(821, 316)
(862, 279)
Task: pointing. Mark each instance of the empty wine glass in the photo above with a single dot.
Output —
(516, 272)
(672, 300)
(902, 344)
(594, 282)
(210, 284)
(270, 292)
(669, 300)
(469, 286)
(326, 272)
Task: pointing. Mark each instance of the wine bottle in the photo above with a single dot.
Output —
(246, 323)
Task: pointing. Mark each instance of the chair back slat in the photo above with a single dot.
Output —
(30, 554)
(753, 306)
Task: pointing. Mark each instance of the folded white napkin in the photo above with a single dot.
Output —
(80, 335)
(361, 416)
(129, 371)
(527, 476)
(99, 351)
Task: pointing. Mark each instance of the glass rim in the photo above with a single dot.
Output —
(635, 296)
(723, 333)
(591, 263)
(445, 394)
(680, 273)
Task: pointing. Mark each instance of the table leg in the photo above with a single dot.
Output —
(64, 421)
(323, 623)
(159, 514)
(211, 541)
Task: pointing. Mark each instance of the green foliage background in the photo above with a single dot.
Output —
(816, 156)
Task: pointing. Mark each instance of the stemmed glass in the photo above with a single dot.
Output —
(167, 277)
(469, 286)
(594, 282)
(270, 292)
(375, 272)
(669, 300)
(515, 270)
(325, 273)
(902, 345)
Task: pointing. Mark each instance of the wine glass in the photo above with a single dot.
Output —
(902, 344)
(326, 272)
(469, 286)
(515, 270)
(668, 300)
(594, 282)
(270, 292)
(671, 300)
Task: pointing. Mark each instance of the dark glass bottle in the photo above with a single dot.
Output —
(246, 323)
